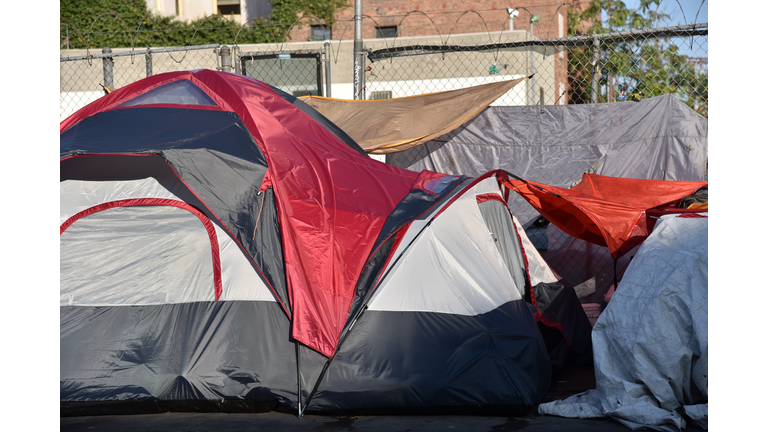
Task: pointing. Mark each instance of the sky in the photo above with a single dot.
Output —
(681, 11)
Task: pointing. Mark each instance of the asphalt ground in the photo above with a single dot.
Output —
(274, 421)
(565, 383)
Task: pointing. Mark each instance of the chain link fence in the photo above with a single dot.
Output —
(84, 74)
(610, 67)
(613, 67)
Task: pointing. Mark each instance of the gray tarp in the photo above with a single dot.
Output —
(659, 138)
(651, 343)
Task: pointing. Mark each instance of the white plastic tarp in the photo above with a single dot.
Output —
(650, 344)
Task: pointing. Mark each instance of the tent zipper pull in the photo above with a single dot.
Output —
(256, 226)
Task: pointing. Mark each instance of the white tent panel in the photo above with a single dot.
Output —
(78, 195)
(239, 279)
(489, 185)
(162, 253)
(413, 231)
(444, 272)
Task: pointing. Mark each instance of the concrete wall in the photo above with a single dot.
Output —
(80, 81)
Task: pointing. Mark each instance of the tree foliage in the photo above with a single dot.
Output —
(632, 70)
(128, 23)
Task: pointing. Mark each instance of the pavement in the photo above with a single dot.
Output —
(565, 383)
(274, 421)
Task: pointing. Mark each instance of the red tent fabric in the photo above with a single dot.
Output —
(332, 201)
(607, 211)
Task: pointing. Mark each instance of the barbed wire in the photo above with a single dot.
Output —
(572, 6)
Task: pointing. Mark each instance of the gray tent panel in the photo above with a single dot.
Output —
(499, 222)
(222, 354)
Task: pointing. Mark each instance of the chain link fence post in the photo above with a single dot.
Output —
(108, 65)
(327, 65)
(148, 60)
(593, 98)
(236, 61)
(67, 37)
(226, 59)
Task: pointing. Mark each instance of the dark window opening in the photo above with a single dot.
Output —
(320, 32)
(228, 7)
(386, 32)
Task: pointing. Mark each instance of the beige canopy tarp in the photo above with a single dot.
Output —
(393, 125)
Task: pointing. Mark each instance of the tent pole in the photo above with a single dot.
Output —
(328, 363)
(317, 383)
(363, 309)
(358, 315)
(298, 377)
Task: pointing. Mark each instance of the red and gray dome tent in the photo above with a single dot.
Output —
(225, 247)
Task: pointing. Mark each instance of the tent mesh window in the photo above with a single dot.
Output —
(181, 92)
(502, 229)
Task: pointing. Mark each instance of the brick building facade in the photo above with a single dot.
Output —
(542, 19)
(441, 17)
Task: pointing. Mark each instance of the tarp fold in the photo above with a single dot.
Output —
(393, 125)
(606, 211)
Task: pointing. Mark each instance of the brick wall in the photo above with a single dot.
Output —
(447, 18)
(433, 17)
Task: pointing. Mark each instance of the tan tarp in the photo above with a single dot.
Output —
(393, 125)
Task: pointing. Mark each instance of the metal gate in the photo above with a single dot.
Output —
(299, 73)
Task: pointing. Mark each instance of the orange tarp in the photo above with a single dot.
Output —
(607, 211)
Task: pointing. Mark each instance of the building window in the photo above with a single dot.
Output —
(379, 95)
(386, 32)
(320, 32)
(228, 7)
